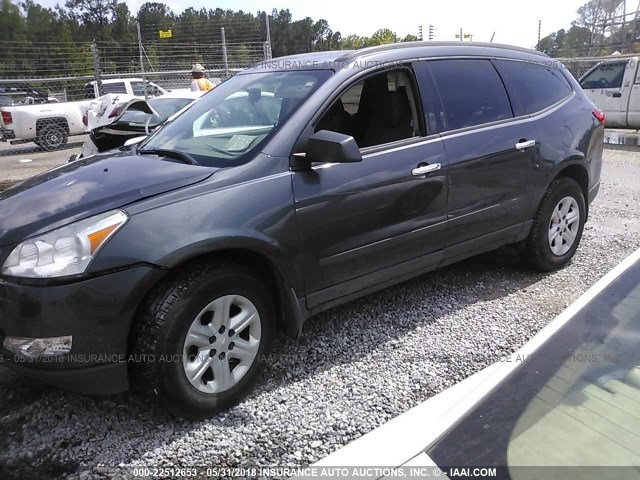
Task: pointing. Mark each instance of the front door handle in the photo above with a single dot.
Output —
(617, 95)
(525, 144)
(425, 169)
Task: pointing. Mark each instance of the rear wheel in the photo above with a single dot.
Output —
(557, 227)
(52, 137)
(202, 339)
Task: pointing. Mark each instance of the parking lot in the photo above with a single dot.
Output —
(19, 162)
(356, 366)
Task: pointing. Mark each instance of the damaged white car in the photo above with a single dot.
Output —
(117, 120)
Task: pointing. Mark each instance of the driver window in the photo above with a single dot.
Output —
(378, 110)
(607, 75)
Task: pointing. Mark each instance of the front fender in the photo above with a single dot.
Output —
(224, 213)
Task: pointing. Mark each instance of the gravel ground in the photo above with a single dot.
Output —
(356, 367)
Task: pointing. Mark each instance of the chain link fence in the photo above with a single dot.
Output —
(58, 73)
(58, 80)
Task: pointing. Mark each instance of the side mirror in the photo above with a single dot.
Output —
(332, 147)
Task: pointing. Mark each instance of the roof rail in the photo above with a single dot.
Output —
(396, 46)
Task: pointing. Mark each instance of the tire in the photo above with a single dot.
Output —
(52, 137)
(193, 301)
(557, 227)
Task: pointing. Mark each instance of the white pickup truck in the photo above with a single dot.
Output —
(614, 86)
(49, 125)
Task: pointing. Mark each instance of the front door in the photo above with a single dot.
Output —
(359, 223)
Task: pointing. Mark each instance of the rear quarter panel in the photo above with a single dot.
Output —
(569, 135)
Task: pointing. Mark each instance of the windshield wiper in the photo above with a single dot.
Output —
(163, 152)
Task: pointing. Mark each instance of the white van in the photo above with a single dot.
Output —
(614, 86)
(128, 86)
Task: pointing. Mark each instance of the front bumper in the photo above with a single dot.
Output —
(97, 312)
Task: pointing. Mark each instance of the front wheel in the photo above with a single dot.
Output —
(202, 339)
(557, 227)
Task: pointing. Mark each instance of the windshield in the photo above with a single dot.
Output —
(235, 118)
(574, 402)
(165, 107)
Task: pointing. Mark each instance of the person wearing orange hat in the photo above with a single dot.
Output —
(200, 82)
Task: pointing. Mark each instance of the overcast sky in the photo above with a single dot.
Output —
(514, 22)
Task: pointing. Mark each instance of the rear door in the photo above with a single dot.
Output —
(364, 223)
(492, 157)
(609, 87)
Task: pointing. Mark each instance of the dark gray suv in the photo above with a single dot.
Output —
(295, 186)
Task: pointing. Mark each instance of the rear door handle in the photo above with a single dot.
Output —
(617, 95)
(524, 145)
(425, 169)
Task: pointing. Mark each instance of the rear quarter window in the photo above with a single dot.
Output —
(472, 92)
(536, 86)
(117, 87)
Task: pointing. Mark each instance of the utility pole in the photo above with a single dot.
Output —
(267, 50)
(96, 67)
(224, 54)
(144, 78)
(462, 36)
(539, 34)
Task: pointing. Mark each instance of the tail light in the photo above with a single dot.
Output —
(599, 114)
(116, 111)
(85, 119)
(6, 118)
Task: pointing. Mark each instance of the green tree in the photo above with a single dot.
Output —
(353, 42)
(12, 36)
(410, 38)
(382, 37)
(94, 15)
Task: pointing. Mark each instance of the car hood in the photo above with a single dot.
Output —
(87, 187)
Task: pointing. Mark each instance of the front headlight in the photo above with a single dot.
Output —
(65, 251)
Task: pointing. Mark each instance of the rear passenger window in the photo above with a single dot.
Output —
(117, 87)
(472, 92)
(536, 86)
